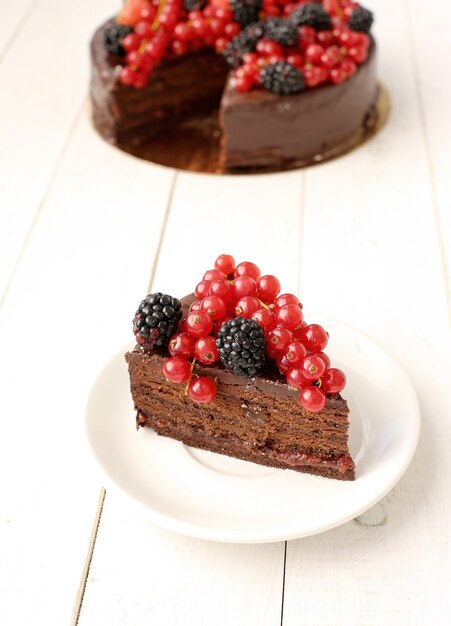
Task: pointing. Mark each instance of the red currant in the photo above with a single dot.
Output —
(248, 269)
(214, 306)
(307, 36)
(325, 358)
(177, 370)
(358, 54)
(202, 289)
(331, 56)
(181, 344)
(247, 306)
(268, 288)
(244, 286)
(314, 337)
(295, 354)
(313, 367)
(333, 381)
(286, 298)
(325, 38)
(314, 52)
(198, 324)
(213, 275)
(290, 316)
(312, 399)
(205, 350)
(266, 319)
(283, 364)
(279, 338)
(202, 390)
(296, 378)
(195, 306)
(131, 42)
(221, 288)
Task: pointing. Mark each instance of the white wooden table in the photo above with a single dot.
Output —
(85, 230)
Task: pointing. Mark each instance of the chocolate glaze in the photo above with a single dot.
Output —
(263, 128)
(259, 130)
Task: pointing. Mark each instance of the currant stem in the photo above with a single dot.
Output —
(190, 376)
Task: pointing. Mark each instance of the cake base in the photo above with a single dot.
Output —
(194, 146)
(258, 419)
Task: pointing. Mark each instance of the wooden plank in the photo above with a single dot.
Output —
(430, 47)
(47, 86)
(371, 257)
(14, 16)
(68, 310)
(182, 580)
(154, 576)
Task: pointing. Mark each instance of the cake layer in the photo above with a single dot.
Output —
(258, 419)
(263, 129)
(184, 86)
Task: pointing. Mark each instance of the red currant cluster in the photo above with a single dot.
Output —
(211, 27)
(321, 56)
(154, 23)
(231, 290)
(162, 28)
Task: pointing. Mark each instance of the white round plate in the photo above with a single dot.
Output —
(212, 496)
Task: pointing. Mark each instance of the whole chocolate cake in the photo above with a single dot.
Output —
(293, 83)
(236, 370)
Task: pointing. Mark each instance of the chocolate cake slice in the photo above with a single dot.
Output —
(258, 419)
(258, 388)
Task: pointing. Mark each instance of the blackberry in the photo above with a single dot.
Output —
(311, 14)
(361, 20)
(282, 31)
(113, 36)
(282, 78)
(194, 5)
(246, 12)
(242, 346)
(156, 320)
(243, 42)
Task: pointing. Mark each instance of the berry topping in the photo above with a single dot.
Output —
(282, 31)
(182, 344)
(314, 337)
(243, 43)
(198, 324)
(225, 263)
(281, 78)
(290, 316)
(176, 370)
(361, 20)
(113, 36)
(156, 320)
(245, 12)
(268, 288)
(333, 381)
(202, 390)
(240, 319)
(248, 269)
(205, 350)
(214, 306)
(312, 399)
(242, 346)
(311, 14)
